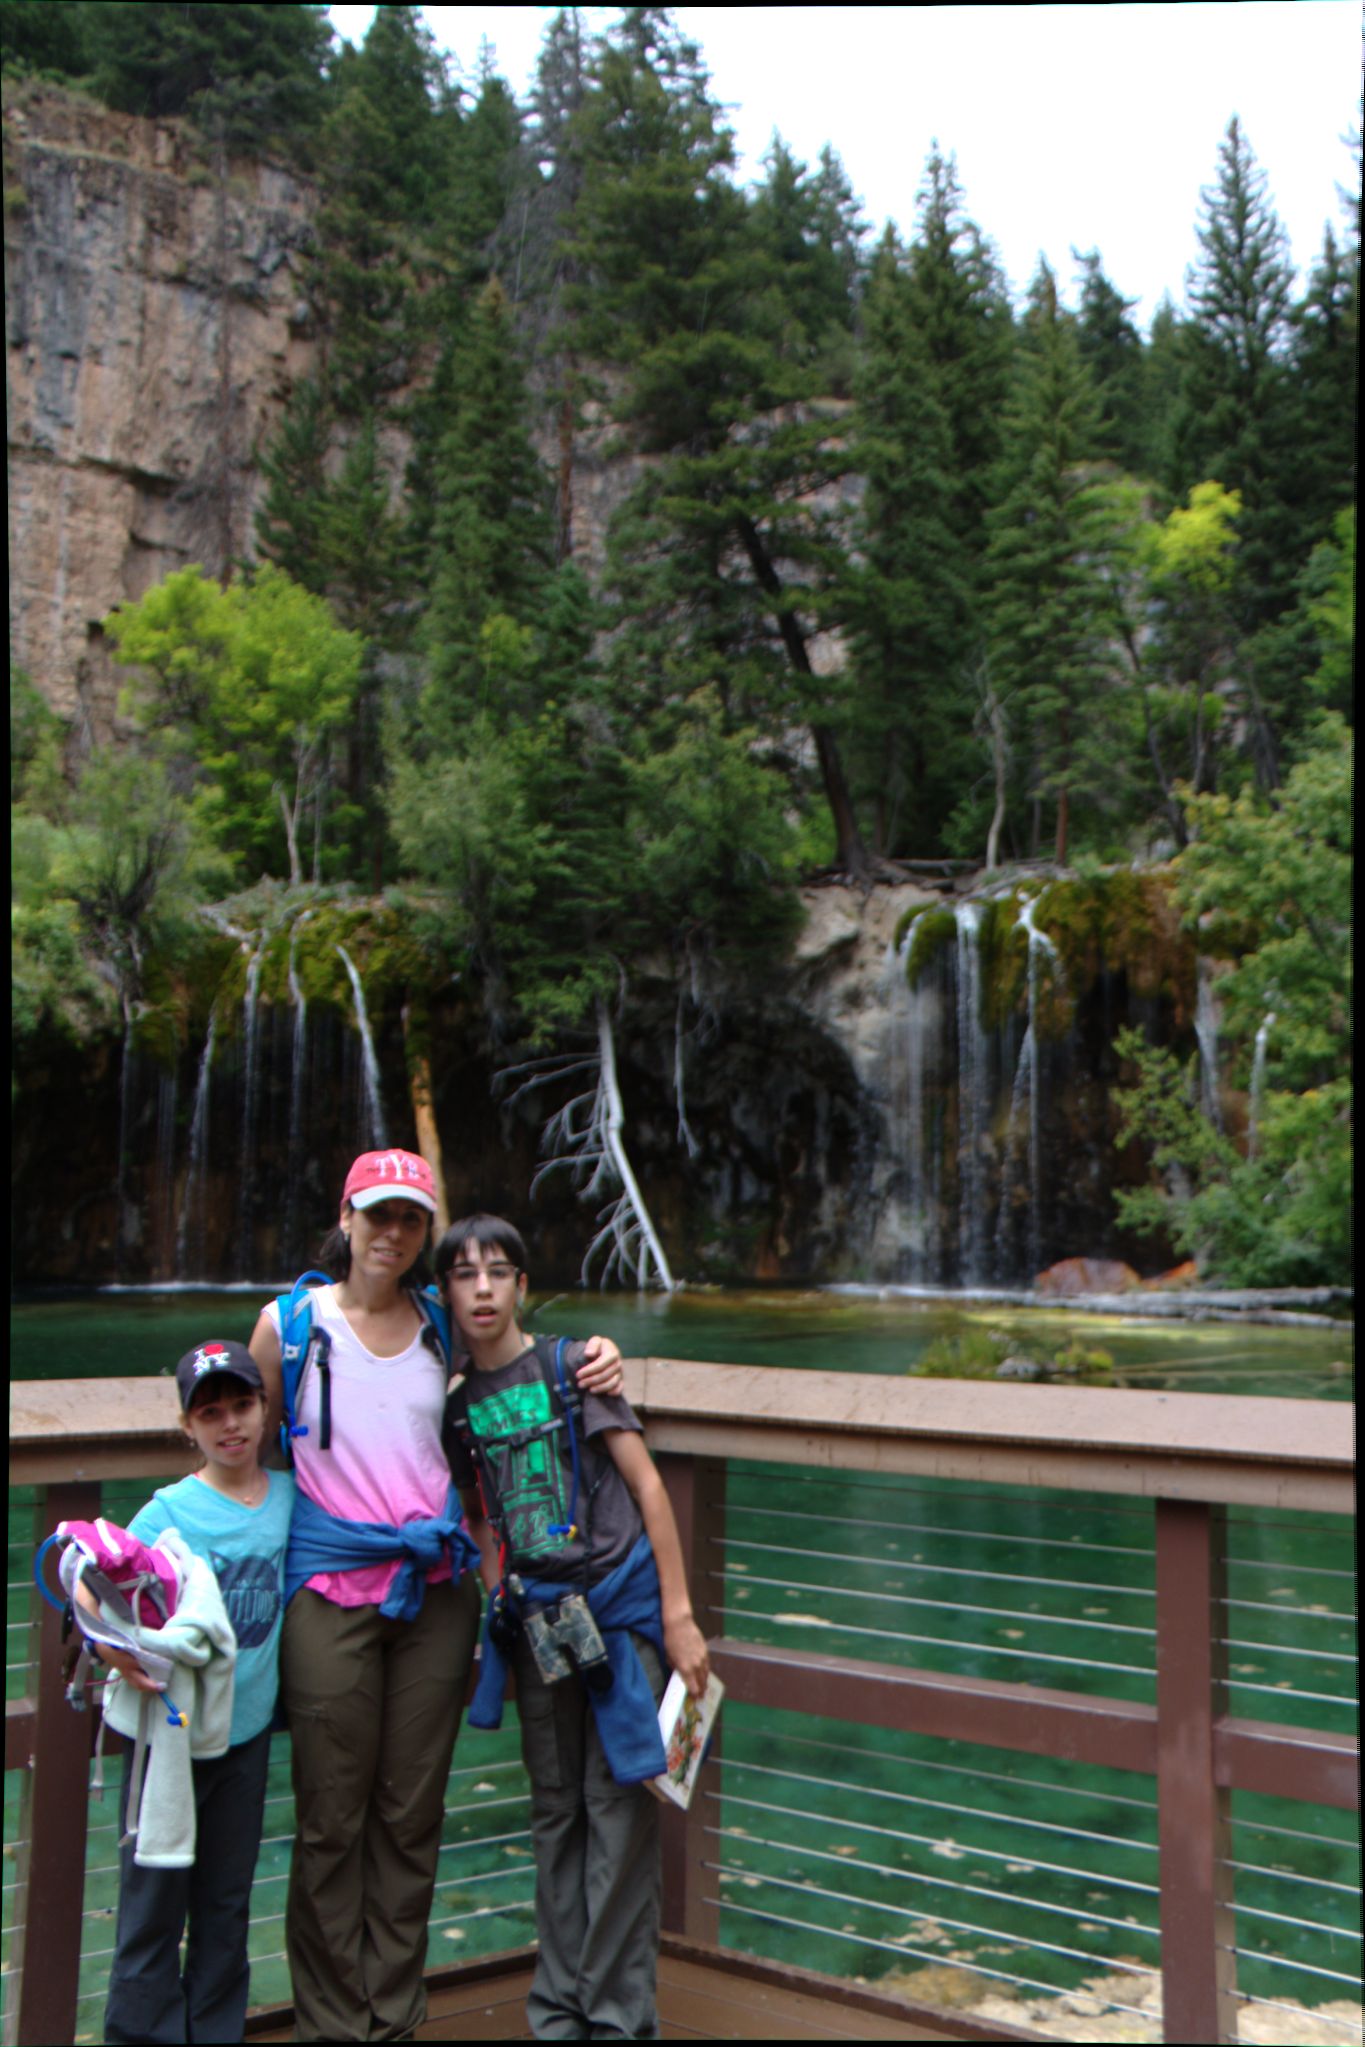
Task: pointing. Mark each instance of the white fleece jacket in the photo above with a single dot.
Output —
(199, 1644)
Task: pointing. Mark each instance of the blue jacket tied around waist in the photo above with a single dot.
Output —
(319, 1541)
(627, 1717)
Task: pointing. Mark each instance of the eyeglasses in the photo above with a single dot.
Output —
(467, 1275)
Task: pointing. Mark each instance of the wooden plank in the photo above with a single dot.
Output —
(1082, 1419)
(1198, 1929)
(1248, 1450)
(724, 2006)
(1117, 1734)
(1288, 1762)
(50, 1868)
(743, 1971)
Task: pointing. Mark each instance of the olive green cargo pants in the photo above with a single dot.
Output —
(373, 1707)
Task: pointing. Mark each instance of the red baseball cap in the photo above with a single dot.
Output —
(389, 1176)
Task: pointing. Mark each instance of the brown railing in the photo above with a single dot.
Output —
(1193, 1456)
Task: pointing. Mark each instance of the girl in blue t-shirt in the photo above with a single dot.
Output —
(234, 1515)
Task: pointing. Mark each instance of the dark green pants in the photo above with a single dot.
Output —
(597, 1869)
(373, 1708)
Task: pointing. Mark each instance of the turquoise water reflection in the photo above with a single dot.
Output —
(100, 1335)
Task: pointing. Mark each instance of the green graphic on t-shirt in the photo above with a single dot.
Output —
(526, 1475)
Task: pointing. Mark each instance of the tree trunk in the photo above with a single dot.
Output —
(850, 852)
(613, 1123)
(424, 1116)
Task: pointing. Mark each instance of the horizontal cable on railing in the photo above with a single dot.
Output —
(1294, 1876)
(928, 1841)
(940, 1528)
(1253, 1954)
(1288, 1691)
(1313, 1613)
(511, 1907)
(1298, 2011)
(1286, 1649)
(1286, 1919)
(1286, 1570)
(1257, 1826)
(914, 1876)
(486, 1841)
(1019, 1940)
(940, 1641)
(1002, 1613)
(486, 1805)
(1303, 1523)
(727, 1543)
(902, 1950)
(1058, 1502)
(966, 1770)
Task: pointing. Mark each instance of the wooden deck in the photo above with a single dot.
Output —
(704, 1994)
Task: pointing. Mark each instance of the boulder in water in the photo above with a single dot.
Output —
(1074, 1276)
(1182, 1275)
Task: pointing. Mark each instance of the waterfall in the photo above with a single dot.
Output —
(972, 1104)
(1206, 1031)
(1040, 946)
(164, 1249)
(373, 1103)
(196, 1173)
(250, 1095)
(294, 1162)
(122, 1234)
(1023, 1091)
(1258, 1083)
(913, 1048)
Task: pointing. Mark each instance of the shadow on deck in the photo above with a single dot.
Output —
(704, 1994)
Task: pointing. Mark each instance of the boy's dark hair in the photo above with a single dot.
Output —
(489, 1232)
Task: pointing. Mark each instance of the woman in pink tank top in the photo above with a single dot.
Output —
(373, 1701)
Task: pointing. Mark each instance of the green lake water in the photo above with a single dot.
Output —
(843, 1848)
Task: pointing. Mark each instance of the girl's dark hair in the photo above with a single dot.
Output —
(489, 1232)
(334, 1258)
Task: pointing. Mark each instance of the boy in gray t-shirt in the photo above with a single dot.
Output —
(572, 1520)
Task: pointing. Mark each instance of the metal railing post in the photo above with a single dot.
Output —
(696, 1488)
(1198, 1967)
(49, 1892)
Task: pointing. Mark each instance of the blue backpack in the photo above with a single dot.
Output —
(302, 1345)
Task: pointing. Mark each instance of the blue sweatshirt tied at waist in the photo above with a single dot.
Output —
(627, 1716)
(319, 1541)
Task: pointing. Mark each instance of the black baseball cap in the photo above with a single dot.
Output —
(211, 1360)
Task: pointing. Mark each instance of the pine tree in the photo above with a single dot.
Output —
(1048, 569)
(1111, 349)
(294, 466)
(251, 73)
(381, 163)
(909, 600)
(1234, 421)
(960, 307)
(491, 547)
(726, 561)
(1325, 361)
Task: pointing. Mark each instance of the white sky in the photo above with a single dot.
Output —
(1090, 126)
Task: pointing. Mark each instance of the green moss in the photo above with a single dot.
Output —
(1075, 1360)
(1004, 960)
(937, 928)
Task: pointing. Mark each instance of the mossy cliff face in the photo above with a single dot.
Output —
(995, 1079)
(856, 1117)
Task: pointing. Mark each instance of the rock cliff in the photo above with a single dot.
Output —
(154, 329)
